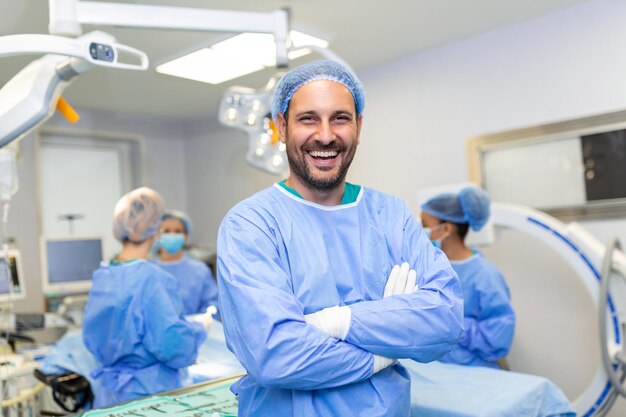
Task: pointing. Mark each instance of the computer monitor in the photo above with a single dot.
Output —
(11, 286)
(68, 263)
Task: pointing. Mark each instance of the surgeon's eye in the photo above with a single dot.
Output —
(342, 118)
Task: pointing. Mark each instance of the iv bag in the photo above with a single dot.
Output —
(8, 173)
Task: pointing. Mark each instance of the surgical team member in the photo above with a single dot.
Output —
(489, 320)
(133, 322)
(314, 303)
(198, 289)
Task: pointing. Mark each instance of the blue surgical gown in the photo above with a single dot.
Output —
(489, 320)
(198, 289)
(134, 326)
(281, 257)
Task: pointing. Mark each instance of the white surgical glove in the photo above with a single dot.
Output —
(401, 280)
(206, 319)
(334, 321)
(382, 362)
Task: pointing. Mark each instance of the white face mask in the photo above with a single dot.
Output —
(429, 231)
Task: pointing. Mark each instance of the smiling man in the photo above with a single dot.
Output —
(314, 303)
(322, 140)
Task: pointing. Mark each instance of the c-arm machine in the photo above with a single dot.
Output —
(594, 263)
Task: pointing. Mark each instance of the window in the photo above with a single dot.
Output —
(572, 170)
(81, 178)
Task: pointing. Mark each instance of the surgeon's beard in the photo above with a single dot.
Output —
(300, 168)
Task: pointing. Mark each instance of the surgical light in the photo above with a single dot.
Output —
(33, 94)
(265, 151)
(245, 108)
(237, 56)
(277, 160)
(248, 109)
(231, 114)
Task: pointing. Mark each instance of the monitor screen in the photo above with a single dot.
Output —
(11, 276)
(69, 263)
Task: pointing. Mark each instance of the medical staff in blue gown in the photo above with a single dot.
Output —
(133, 322)
(198, 288)
(489, 319)
(324, 283)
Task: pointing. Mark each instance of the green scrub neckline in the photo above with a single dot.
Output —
(350, 193)
(113, 262)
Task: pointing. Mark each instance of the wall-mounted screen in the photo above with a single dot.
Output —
(68, 264)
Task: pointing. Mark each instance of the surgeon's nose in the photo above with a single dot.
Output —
(326, 134)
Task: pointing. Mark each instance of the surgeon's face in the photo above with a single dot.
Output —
(321, 133)
(172, 226)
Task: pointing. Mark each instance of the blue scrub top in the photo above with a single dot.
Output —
(134, 326)
(281, 257)
(198, 288)
(489, 319)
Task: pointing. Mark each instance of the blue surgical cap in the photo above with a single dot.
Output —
(470, 205)
(314, 71)
(181, 216)
(137, 215)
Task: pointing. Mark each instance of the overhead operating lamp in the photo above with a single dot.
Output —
(32, 95)
(248, 109)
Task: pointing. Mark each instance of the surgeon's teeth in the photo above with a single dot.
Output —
(323, 154)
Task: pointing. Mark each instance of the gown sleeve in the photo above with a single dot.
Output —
(264, 321)
(490, 334)
(168, 336)
(424, 325)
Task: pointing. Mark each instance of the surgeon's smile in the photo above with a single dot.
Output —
(324, 160)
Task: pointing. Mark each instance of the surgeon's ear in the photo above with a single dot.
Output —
(281, 125)
(359, 123)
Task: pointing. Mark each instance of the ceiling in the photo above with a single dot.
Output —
(364, 33)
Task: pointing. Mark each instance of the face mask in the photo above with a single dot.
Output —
(172, 242)
(428, 231)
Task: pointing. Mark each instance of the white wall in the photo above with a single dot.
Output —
(164, 159)
(421, 109)
(218, 176)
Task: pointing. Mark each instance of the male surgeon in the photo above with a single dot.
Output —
(324, 283)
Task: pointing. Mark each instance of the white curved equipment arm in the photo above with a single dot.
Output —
(584, 253)
(66, 17)
(89, 47)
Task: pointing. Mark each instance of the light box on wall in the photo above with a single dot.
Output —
(573, 169)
